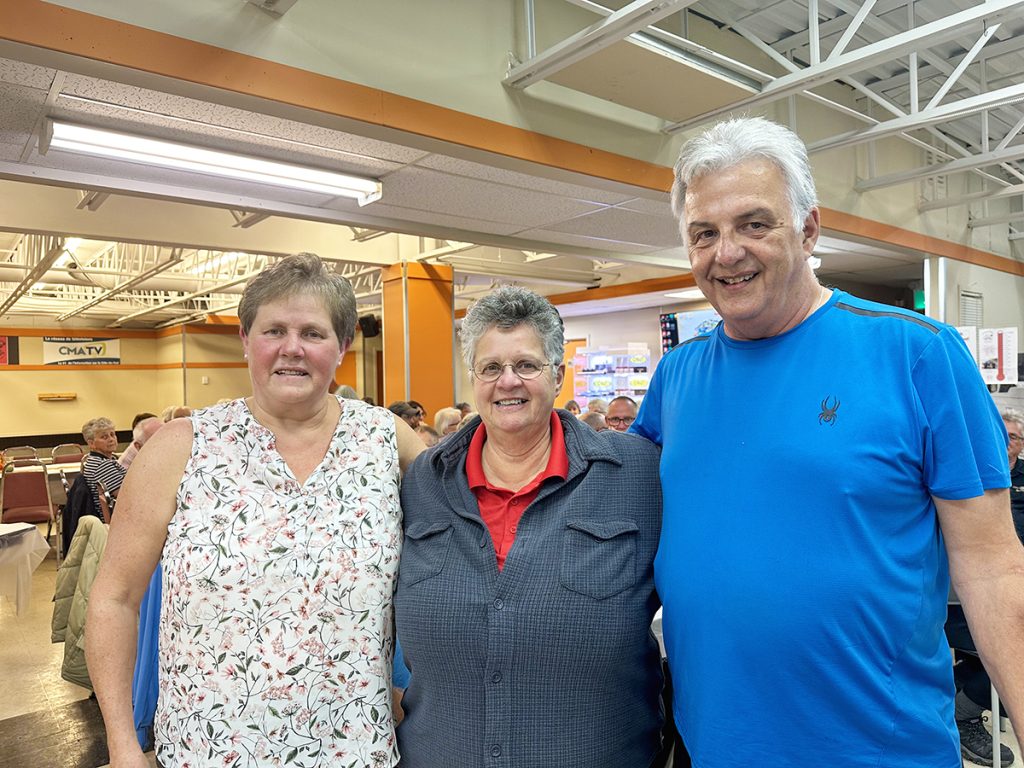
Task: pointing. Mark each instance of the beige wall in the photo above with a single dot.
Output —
(120, 393)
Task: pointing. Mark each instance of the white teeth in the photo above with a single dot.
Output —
(735, 280)
(291, 373)
(510, 402)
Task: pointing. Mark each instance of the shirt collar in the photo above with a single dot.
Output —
(558, 460)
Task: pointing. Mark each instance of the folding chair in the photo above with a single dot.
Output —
(25, 494)
(106, 502)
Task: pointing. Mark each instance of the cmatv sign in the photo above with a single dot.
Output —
(66, 350)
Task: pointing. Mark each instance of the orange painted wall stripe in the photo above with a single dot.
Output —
(850, 224)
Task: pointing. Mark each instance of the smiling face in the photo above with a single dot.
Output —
(745, 255)
(510, 404)
(104, 441)
(293, 351)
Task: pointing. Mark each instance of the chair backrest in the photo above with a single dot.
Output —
(19, 452)
(67, 453)
(64, 482)
(106, 502)
(24, 490)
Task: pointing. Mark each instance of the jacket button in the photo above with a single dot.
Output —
(496, 677)
(498, 604)
(496, 751)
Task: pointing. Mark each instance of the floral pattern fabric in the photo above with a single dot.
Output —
(276, 625)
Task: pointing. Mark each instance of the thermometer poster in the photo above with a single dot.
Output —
(997, 355)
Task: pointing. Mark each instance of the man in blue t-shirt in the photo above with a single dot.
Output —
(827, 464)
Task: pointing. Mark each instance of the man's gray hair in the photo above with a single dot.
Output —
(508, 307)
(302, 274)
(140, 429)
(92, 426)
(1012, 414)
(737, 141)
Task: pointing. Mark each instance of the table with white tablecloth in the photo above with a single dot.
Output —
(22, 549)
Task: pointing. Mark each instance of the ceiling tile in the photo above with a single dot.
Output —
(443, 193)
(473, 170)
(662, 207)
(21, 109)
(582, 241)
(26, 74)
(621, 224)
(461, 226)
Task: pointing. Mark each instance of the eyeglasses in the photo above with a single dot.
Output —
(1015, 438)
(524, 369)
(623, 421)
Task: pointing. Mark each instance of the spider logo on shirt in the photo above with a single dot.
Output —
(828, 413)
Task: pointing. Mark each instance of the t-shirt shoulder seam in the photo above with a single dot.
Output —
(923, 322)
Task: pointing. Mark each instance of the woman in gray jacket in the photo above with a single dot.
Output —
(526, 586)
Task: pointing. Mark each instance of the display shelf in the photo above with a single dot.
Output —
(608, 372)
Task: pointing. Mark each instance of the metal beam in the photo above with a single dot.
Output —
(941, 169)
(928, 116)
(965, 62)
(991, 221)
(974, 197)
(622, 23)
(865, 57)
(851, 30)
(176, 256)
(180, 300)
(47, 249)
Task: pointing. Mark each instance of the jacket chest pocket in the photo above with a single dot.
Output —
(599, 557)
(424, 551)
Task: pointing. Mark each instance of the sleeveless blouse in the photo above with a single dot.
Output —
(276, 636)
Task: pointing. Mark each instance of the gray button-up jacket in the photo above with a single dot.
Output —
(549, 662)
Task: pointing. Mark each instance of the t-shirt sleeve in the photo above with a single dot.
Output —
(964, 438)
(648, 419)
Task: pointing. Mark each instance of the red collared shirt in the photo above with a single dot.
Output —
(501, 508)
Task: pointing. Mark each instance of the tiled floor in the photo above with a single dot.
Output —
(46, 722)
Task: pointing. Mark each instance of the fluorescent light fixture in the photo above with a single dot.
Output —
(184, 157)
(689, 294)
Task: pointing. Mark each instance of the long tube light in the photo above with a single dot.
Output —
(169, 154)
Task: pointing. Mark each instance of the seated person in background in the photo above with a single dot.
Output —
(597, 405)
(465, 409)
(428, 435)
(141, 432)
(447, 421)
(99, 465)
(406, 413)
(175, 412)
(573, 407)
(349, 393)
(141, 416)
(594, 420)
(420, 410)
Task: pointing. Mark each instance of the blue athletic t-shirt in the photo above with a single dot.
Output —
(801, 566)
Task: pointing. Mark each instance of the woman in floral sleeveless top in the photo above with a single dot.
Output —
(276, 519)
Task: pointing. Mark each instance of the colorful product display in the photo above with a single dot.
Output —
(608, 372)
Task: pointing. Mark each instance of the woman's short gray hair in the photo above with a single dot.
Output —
(510, 306)
(303, 273)
(93, 426)
(736, 141)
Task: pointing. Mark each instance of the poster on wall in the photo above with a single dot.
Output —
(8, 350)
(969, 333)
(997, 352)
(68, 350)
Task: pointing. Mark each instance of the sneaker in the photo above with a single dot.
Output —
(976, 743)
